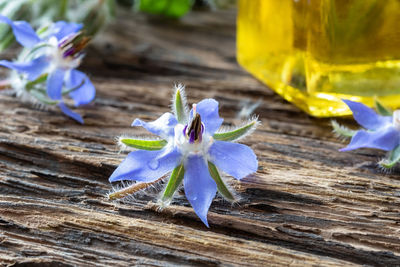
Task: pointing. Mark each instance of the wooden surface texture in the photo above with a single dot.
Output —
(308, 204)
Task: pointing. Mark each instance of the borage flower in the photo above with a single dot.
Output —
(46, 68)
(382, 131)
(190, 147)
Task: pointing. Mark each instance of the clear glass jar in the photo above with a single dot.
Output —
(316, 52)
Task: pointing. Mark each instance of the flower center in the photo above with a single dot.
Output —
(192, 138)
(68, 52)
(194, 130)
(72, 45)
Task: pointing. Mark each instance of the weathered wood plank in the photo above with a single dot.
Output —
(308, 204)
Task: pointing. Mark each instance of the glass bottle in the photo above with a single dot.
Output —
(316, 52)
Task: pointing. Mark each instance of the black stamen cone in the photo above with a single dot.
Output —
(195, 127)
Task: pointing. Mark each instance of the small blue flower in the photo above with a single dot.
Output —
(51, 56)
(191, 147)
(381, 131)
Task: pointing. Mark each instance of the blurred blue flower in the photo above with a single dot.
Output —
(381, 132)
(193, 150)
(52, 56)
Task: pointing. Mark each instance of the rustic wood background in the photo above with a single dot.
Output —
(307, 205)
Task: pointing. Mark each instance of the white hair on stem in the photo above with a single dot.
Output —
(341, 132)
(125, 191)
(230, 183)
(182, 92)
(387, 170)
(161, 204)
(17, 84)
(384, 169)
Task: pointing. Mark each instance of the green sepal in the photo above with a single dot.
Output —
(394, 157)
(342, 130)
(31, 54)
(65, 92)
(222, 188)
(381, 109)
(40, 79)
(237, 133)
(144, 144)
(41, 31)
(43, 97)
(44, 91)
(179, 103)
(174, 182)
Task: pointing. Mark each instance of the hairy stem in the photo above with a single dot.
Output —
(129, 190)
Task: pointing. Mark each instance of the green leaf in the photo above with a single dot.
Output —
(342, 130)
(394, 157)
(179, 104)
(111, 8)
(169, 8)
(143, 144)
(237, 133)
(6, 40)
(174, 182)
(63, 8)
(222, 188)
(381, 109)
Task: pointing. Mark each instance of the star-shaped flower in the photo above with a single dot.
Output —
(50, 58)
(381, 131)
(191, 147)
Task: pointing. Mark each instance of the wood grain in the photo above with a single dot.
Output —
(308, 205)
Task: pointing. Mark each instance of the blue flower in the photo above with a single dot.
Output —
(191, 147)
(51, 56)
(381, 132)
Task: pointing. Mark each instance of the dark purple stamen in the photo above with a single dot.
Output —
(192, 137)
(194, 131)
(64, 41)
(73, 44)
(69, 52)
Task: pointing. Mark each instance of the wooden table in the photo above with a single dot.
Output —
(308, 204)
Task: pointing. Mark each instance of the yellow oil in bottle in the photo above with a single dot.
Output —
(316, 52)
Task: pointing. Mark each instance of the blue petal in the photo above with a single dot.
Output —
(163, 126)
(85, 93)
(386, 139)
(23, 32)
(234, 159)
(70, 113)
(146, 166)
(200, 188)
(62, 29)
(33, 68)
(55, 83)
(208, 110)
(366, 116)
